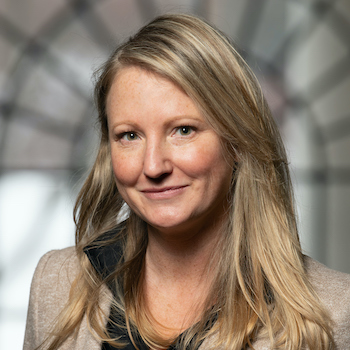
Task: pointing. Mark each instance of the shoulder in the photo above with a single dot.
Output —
(57, 266)
(54, 276)
(330, 285)
(57, 259)
(333, 288)
(49, 292)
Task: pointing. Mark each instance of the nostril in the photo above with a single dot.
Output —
(158, 179)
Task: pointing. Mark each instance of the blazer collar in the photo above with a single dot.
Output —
(105, 256)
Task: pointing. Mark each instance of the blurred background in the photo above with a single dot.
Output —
(299, 50)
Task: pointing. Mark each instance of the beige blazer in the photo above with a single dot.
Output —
(57, 269)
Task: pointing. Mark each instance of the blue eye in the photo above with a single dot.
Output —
(185, 130)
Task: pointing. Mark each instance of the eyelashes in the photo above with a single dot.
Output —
(128, 136)
(185, 130)
(131, 136)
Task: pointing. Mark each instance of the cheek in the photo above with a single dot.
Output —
(125, 168)
(204, 160)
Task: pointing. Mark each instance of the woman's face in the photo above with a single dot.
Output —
(167, 161)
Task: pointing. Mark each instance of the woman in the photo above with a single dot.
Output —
(206, 253)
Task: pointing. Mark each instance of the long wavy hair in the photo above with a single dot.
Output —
(261, 287)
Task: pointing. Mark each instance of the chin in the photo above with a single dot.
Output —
(167, 222)
(183, 227)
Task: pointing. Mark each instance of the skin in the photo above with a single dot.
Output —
(170, 169)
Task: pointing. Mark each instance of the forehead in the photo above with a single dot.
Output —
(129, 78)
(134, 88)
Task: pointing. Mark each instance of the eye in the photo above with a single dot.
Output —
(128, 136)
(185, 130)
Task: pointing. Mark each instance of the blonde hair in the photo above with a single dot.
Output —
(261, 287)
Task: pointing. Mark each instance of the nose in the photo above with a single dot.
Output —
(157, 160)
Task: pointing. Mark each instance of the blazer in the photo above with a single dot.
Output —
(57, 270)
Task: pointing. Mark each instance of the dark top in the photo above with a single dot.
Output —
(105, 259)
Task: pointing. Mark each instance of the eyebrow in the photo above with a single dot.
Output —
(171, 120)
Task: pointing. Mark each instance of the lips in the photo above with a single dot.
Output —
(163, 192)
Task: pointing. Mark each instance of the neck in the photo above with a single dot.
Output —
(178, 276)
(185, 254)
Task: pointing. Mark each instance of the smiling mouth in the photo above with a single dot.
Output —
(164, 192)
